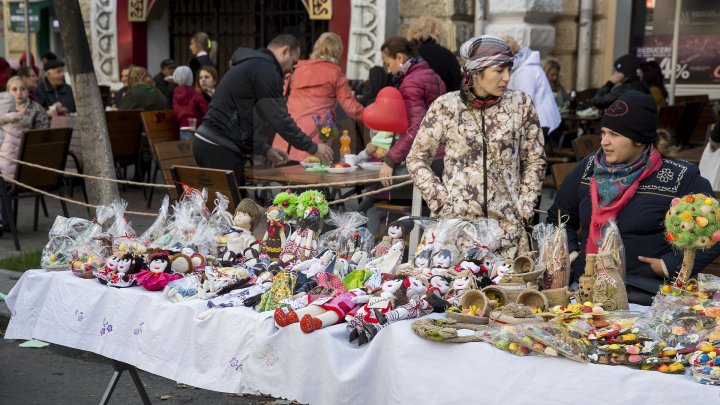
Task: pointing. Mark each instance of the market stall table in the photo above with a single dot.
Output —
(240, 350)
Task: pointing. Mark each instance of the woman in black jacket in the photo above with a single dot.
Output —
(631, 179)
(424, 34)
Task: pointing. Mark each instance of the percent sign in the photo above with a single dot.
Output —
(682, 72)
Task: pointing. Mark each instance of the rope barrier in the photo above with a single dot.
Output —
(68, 200)
(87, 176)
(320, 185)
(342, 200)
(168, 186)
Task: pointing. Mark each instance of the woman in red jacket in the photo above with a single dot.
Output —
(188, 103)
(314, 88)
(419, 86)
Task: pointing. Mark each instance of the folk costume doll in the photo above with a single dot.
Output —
(392, 294)
(247, 217)
(395, 232)
(274, 238)
(127, 268)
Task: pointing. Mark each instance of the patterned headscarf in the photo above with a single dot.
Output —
(484, 51)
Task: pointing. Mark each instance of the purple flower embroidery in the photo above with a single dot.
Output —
(106, 327)
(79, 315)
(13, 314)
(235, 363)
(138, 330)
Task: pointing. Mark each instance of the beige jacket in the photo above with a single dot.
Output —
(515, 163)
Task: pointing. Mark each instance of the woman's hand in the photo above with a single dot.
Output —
(655, 265)
(386, 171)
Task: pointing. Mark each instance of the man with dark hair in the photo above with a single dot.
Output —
(623, 79)
(52, 92)
(248, 108)
(164, 80)
(47, 56)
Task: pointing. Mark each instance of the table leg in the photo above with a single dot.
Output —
(415, 211)
(119, 368)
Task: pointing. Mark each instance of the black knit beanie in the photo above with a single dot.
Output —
(633, 115)
(627, 65)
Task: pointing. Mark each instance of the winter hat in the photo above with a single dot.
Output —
(7, 103)
(484, 51)
(627, 65)
(52, 64)
(183, 76)
(633, 115)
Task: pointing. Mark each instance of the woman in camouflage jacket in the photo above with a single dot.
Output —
(494, 158)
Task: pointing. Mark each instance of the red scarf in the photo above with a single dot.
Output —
(601, 215)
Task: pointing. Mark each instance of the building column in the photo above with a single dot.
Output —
(455, 16)
(104, 40)
(528, 21)
(367, 34)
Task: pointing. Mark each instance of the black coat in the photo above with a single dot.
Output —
(47, 95)
(165, 87)
(443, 62)
(610, 92)
(196, 62)
(641, 222)
(250, 96)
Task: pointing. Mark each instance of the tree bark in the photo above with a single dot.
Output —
(95, 142)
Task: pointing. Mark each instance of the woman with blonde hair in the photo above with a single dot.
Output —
(424, 34)
(552, 71)
(315, 87)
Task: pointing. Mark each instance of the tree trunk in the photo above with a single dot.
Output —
(97, 154)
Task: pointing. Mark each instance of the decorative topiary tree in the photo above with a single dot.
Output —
(692, 222)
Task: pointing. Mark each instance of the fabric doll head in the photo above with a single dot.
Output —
(414, 287)
(275, 213)
(442, 283)
(311, 219)
(129, 264)
(159, 263)
(398, 229)
(247, 214)
(464, 280)
(422, 259)
(181, 263)
(112, 262)
(442, 259)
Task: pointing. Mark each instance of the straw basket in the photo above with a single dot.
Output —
(531, 276)
(559, 296)
(503, 294)
(532, 298)
(522, 265)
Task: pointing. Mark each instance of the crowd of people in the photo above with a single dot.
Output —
(475, 140)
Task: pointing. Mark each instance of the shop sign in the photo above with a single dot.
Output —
(17, 16)
(319, 9)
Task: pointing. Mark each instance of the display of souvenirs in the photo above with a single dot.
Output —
(274, 238)
(396, 232)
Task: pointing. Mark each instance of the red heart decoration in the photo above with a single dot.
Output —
(387, 113)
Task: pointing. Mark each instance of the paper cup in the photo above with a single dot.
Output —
(350, 158)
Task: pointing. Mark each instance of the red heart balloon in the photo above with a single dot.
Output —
(387, 113)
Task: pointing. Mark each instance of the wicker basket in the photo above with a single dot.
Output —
(83, 273)
(559, 296)
(522, 265)
(503, 294)
(532, 298)
(478, 299)
(532, 276)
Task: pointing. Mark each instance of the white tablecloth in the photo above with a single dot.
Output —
(239, 350)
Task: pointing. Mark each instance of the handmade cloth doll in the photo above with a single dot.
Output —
(110, 268)
(274, 238)
(391, 294)
(385, 264)
(247, 217)
(438, 288)
(243, 297)
(395, 233)
(416, 307)
(321, 312)
(158, 273)
(127, 268)
(302, 244)
(283, 285)
(463, 282)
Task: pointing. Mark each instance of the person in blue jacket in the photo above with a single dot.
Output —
(632, 179)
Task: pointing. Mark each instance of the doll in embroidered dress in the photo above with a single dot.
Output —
(274, 238)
